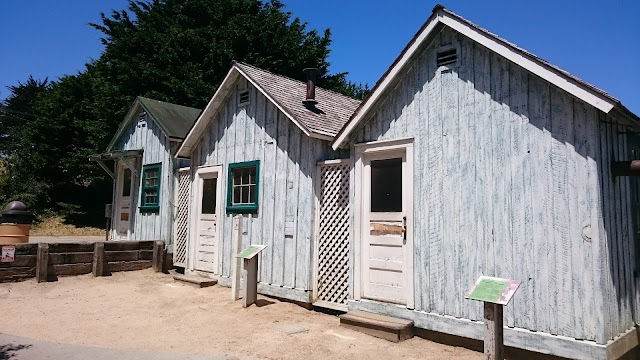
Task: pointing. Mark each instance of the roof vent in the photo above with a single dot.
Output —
(446, 57)
(312, 73)
(142, 119)
(243, 98)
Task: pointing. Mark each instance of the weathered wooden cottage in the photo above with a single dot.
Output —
(473, 157)
(255, 150)
(144, 169)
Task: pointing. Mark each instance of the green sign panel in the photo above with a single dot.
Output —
(251, 251)
(493, 290)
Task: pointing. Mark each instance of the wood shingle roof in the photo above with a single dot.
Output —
(326, 118)
(323, 120)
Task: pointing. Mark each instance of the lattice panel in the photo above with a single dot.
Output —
(333, 246)
(182, 219)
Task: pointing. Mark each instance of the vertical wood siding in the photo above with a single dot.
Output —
(511, 179)
(157, 149)
(285, 217)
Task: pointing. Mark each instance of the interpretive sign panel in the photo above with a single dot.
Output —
(493, 290)
(251, 251)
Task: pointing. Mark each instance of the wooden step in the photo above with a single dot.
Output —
(381, 326)
(195, 280)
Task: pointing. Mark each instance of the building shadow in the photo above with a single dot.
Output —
(10, 351)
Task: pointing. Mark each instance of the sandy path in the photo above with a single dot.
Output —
(147, 311)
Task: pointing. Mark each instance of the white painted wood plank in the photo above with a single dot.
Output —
(540, 137)
(450, 195)
(483, 176)
(575, 194)
(291, 207)
(561, 117)
(625, 284)
(606, 235)
(268, 193)
(421, 208)
(205, 144)
(282, 161)
(467, 169)
(596, 194)
(387, 119)
(305, 218)
(500, 134)
(583, 293)
(224, 220)
(630, 239)
(248, 124)
(521, 310)
(259, 114)
(435, 166)
(615, 230)
(230, 142)
(210, 136)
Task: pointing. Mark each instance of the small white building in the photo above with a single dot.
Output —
(473, 157)
(144, 169)
(255, 151)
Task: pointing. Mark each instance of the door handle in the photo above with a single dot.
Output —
(404, 229)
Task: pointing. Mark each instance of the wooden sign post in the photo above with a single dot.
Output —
(250, 272)
(495, 293)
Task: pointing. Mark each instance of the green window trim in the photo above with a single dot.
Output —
(244, 208)
(147, 206)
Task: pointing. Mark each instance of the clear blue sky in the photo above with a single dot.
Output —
(598, 41)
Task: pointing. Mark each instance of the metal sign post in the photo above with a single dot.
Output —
(250, 272)
(495, 293)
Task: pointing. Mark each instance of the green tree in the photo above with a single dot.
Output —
(16, 110)
(48, 164)
(180, 50)
(172, 50)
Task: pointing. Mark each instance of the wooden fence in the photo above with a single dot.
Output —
(46, 262)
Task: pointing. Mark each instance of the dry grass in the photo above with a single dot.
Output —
(55, 226)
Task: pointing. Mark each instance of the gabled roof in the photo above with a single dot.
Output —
(442, 16)
(174, 120)
(329, 116)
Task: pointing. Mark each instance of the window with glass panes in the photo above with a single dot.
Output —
(150, 194)
(242, 194)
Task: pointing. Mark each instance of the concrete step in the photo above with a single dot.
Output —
(381, 326)
(195, 280)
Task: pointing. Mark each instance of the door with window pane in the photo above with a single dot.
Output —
(385, 250)
(124, 188)
(208, 210)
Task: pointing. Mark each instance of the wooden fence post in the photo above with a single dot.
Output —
(236, 262)
(99, 265)
(42, 262)
(158, 252)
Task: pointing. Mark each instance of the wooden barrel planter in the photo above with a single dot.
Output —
(14, 233)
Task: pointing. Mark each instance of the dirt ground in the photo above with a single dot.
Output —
(147, 311)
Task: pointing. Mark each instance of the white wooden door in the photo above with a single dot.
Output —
(207, 220)
(124, 188)
(387, 249)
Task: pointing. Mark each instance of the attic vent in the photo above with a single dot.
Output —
(243, 98)
(446, 57)
(142, 119)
